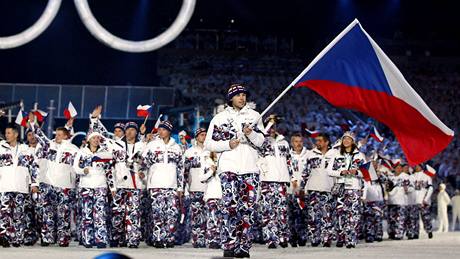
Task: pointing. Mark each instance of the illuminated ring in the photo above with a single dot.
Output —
(35, 30)
(115, 42)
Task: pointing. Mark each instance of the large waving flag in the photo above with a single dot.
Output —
(353, 72)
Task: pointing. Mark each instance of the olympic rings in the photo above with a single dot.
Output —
(100, 32)
(33, 31)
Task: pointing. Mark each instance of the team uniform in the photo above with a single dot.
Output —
(397, 205)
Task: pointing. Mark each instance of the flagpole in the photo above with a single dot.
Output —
(320, 55)
(145, 120)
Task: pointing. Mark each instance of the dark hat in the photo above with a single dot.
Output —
(119, 125)
(199, 131)
(166, 125)
(131, 124)
(235, 89)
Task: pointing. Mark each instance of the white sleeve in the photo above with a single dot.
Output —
(76, 165)
(257, 137)
(212, 145)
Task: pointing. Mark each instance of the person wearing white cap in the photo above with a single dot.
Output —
(230, 134)
(443, 201)
(163, 162)
(423, 192)
(57, 185)
(194, 165)
(212, 196)
(296, 214)
(18, 178)
(94, 165)
(399, 187)
(344, 167)
(275, 175)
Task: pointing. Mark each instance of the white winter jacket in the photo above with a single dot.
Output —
(315, 176)
(298, 163)
(402, 186)
(60, 159)
(228, 125)
(194, 164)
(100, 166)
(341, 162)
(213, 189)
(423, 187)
(128, 159)
(164, 164)
(18, 168)
(274, 161)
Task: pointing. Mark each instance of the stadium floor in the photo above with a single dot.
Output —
(443, 245)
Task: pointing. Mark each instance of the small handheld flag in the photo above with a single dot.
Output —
(430, 171)
(312, 133)
(21, 118)
(368, 171)
(70, 111)
(376, 135)
(144, 110)
(41, 115)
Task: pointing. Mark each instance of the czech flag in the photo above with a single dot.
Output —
(352, 72)
(41, 115)
(183, 134)
(368, 171)
(312, 133)
(430, 171)
(104, 157)
(21, 118)
(70, 111)
(376, 135)
(143, 110)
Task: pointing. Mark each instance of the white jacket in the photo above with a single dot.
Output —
(228, 125)
(42, 162)
(213, 188)
(402, 186)
(423, 187)
(194, 164)
(341, 162)
(298, 163)
(373, 191)
(18, 168)
(60, 159)
(164, 164)
(128, 164)
(274, 160)
(443, 201)
(315, 176)
(100, 172)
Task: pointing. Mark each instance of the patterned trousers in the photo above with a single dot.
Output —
(94, 216)
(319, 217)
(55, 217)
(239, 194)
(164, 214)
(213, 222)
(297, 220)
(412, 220)
(396, 220)
(348, 213)
(12, 216)
(198, 219)
(126, 218)
(373, 220)
(273, 201)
